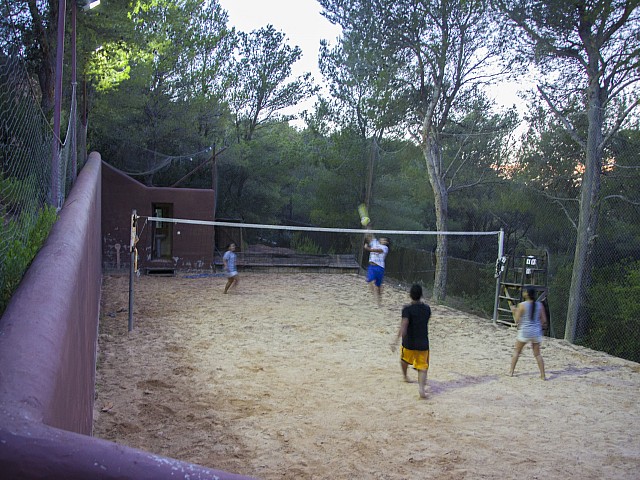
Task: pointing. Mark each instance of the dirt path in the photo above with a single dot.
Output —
(291, 376)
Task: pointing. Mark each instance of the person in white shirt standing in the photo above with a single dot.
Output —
(230, 269)
(378, 250)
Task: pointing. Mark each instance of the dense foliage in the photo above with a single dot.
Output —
(20, 253)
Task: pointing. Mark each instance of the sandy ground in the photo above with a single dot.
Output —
(291, 376)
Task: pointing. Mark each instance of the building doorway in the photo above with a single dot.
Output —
(161, 242)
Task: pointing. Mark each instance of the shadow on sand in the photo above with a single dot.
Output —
(436, 387)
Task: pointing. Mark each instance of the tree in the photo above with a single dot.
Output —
(258, 178)
(37, 26)
(161, 88)
(363, 97)
(443, 49)
(590, 53)
(260, 86)
(548, 167)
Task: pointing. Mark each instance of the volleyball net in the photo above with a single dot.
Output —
(191, 246)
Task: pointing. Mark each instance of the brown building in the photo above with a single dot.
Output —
(161, 245)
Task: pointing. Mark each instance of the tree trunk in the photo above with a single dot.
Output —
(373, 154)
(577, 318)
(45, 31)
(46, 80)
(440, 193)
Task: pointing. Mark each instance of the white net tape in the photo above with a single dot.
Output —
(316, 229)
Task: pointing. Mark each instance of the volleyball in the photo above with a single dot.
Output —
(364, 215)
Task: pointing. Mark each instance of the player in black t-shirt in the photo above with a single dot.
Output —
(414, 331)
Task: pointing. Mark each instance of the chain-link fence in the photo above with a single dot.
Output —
(609, 315)
(28, 203)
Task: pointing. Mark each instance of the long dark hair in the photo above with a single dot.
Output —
(531, 293)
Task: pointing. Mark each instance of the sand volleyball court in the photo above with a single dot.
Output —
(291, 377)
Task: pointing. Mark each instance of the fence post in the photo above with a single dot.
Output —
(132, 268)
(498, 266)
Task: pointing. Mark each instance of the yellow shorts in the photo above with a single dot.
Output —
(419, 359)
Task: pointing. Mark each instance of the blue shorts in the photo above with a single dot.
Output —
(375, 273)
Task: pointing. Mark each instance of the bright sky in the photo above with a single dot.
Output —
(303, 25)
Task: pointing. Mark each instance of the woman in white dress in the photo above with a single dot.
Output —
(530, 318)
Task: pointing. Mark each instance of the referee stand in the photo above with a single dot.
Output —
(522, 272)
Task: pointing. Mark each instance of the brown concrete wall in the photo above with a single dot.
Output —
(48, 331)
(48, 339)
(192, 246)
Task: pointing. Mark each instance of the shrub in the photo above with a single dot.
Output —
(33, 229)
(303, 244)
(615, 312)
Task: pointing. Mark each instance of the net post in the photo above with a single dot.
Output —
(496, 301)
(132, 250)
